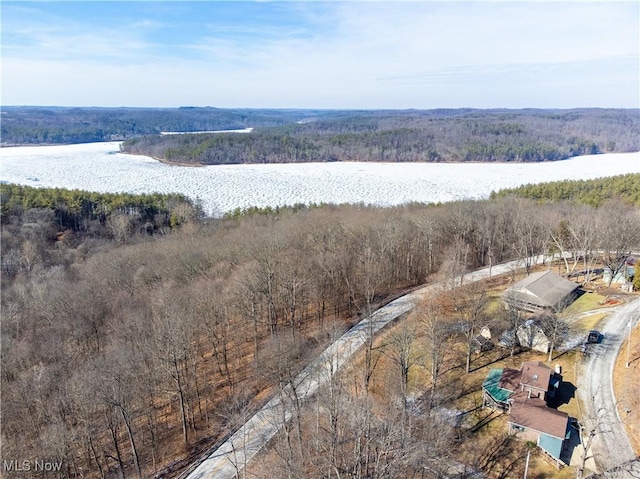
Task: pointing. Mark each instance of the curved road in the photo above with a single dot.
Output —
(610, 447)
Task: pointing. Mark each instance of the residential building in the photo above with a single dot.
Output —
(523, 394)
(541, 291)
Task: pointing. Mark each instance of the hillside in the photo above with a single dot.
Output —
(411, 136)
(61, 125)
(130, 344)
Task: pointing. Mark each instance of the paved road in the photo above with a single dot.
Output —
(234, 454)
(611, 446)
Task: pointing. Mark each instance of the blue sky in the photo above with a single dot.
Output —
(332, 54)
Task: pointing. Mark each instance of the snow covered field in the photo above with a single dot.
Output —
(100, 167)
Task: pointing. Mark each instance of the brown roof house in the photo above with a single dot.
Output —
(524, 393)
(541, 291)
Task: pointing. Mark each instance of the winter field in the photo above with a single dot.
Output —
(100, 167)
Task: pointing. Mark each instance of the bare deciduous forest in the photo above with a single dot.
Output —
(409, 136)
(129, 347)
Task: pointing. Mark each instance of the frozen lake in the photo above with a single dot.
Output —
(100, 167)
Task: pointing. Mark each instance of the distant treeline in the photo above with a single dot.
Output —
(587, 192)
(292, 136)
(40, 125)
(411, 136)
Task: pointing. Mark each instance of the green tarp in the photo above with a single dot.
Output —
(491, 385)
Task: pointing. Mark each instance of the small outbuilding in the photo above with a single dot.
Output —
(541, 291)
(531, 335)
(624, 275)
(482, 342)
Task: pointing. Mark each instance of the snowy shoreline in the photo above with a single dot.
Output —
(222, 188)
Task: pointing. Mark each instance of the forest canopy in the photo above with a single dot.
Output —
(127, 359)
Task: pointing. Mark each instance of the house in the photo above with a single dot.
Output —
(541, 291)
(535, 379)
(531, 335)
(532, 420)
(523, 393)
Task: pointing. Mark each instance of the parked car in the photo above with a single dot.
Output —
(593, 336)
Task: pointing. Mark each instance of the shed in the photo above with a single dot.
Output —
(482, 344)
(624, 274)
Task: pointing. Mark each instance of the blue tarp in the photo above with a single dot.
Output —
(551, 445)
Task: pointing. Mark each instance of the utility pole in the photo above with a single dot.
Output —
(629, 345)
(526, 465)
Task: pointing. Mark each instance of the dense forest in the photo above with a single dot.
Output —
(76, 212)
(588, 192)
(292, 136)
(126, 352)
(411, 136)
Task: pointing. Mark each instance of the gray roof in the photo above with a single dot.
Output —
(546, 289)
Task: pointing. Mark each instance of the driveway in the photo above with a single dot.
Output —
(611, 446)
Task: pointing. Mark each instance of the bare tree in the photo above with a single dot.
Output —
(400, 348)
(619, 232)
(555, 329)
(575, 236)
(172, 346)
(439, 336)
(529, 230)
(121, 225)
(470, 305)
(454, 265)
(236, 411)
(115, 387)
(591, 426)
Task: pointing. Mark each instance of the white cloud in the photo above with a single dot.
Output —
(346, 55)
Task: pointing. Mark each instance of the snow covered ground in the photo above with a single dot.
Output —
(100, 167)
(243, 130)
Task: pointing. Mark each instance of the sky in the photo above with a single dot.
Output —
(321, 54)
